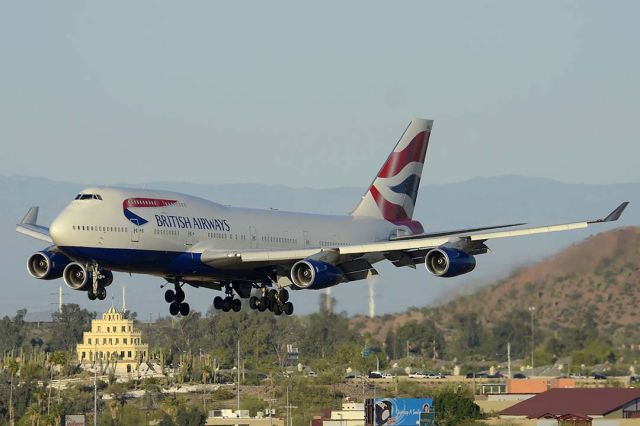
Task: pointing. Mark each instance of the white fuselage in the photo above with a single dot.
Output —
(144, 230)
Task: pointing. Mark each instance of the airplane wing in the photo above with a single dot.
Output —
(401, 252)
(28, 226)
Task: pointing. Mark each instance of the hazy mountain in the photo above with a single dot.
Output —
(481, 201)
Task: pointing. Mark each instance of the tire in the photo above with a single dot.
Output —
(184, 309)
(277, 310)
(91, 295)
(226, 305)
(174, 308)
(179, 295)
(236, 305)
(262, 304)
(287, 308)
(253, 302)
(102, 293)
(217, 302)
(271, 295)
(169, 296)
(283, 295)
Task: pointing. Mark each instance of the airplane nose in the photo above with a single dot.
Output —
(56, 230)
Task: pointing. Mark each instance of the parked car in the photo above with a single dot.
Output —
(634, 379)
(375, 375)
(434, 376)
(477, 375)
(387, 376)
(350, 376)
(599, 376)
(497, 375)
(417, 375)
(519, 376)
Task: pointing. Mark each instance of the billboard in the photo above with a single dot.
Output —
(399, 411)
(73, 420)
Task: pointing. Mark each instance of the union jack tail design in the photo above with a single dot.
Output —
(393, 193)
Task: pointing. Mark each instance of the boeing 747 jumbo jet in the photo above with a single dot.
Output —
(257, 254)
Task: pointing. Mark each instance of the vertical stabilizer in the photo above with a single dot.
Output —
(393, 193)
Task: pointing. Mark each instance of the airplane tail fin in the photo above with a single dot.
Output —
(393, 193)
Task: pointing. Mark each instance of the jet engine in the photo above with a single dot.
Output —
(78, 277)
(47, 265)
(449, 262)
(315, 275)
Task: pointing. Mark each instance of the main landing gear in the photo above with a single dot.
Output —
(100, 279)
(227, 303)
(175, 298)
(277, 301)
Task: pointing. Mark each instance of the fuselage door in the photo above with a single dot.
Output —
(135, 232)
(253, 237)
(189, 240)
(305, 238)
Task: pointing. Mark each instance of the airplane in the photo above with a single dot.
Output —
(258, 254)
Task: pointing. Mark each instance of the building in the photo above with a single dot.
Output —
(581, 405)
(240, 418)
(352, 414)
(113, 338)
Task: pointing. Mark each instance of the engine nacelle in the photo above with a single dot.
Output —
(449, 262)
(47, 265)
(315, 275)
(77, 277)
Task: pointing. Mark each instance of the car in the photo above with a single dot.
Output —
(387, 376)
(417, 375)
(599, 376)
(375, 375)
(350, 376)
(434, 376)
(497, 375)
(519, 376)
(634, 379)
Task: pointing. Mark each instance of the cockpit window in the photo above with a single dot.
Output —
(88, 197)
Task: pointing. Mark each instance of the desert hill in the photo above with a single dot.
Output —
(599, 276)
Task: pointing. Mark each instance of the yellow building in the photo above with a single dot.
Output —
(112, 338)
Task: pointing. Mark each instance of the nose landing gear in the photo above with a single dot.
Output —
(175, 298)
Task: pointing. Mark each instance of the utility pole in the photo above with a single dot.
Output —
(238, 373)
(532, 309)
(95, 384)
(509, 358)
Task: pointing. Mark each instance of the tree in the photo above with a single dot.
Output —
(453, 408)
(68, 326)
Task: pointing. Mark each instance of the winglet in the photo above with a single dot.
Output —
(31, 218)
(614, 215)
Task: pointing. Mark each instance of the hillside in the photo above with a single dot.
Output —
(598, 276)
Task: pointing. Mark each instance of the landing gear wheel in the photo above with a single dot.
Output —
(91, 295)
(174, 308)
(277, 310)
(271, 295)
(253, 302)
(179, 295)
(262, 304)
(169, 296)
(226, 304)
(217, 302)
(102, 293)
(287, 308)
(184, 309)
(236, 305)
(283, 296)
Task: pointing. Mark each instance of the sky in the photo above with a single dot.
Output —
(316, 94)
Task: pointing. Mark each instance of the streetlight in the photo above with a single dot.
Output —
(532, 309)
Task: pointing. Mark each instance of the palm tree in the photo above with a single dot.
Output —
(34, 414)
(57, 358)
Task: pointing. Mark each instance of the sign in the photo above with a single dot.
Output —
(399, 412)
(73, 420)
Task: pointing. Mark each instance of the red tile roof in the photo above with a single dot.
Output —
(578, 401)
